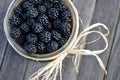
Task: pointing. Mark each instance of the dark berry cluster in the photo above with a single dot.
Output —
(41, 26)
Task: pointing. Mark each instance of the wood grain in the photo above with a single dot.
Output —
(106, 12)
(13, 67)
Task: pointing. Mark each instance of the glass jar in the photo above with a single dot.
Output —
(43, 57)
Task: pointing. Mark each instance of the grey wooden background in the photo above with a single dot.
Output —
(15, 67)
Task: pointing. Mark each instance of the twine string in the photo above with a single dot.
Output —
(53, 67)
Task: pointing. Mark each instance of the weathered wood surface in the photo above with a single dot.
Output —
(15, 67)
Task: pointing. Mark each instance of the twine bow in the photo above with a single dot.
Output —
(50, 71)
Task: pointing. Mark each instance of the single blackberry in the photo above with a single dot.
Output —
(45, 36)
(27, 4)
(18, 11)
(56, 35)
(14, 20)
(15, 33)
(40, 47)
(24, 27)
(47, 5)
(35, 1)
(57, 24)
(30, 48)
(60, 6)
(30, 21)
(62, 41)
(31, 38)
(43, 19)
(66, 16)
(37, 28)
(31, 12)
(53, 13)
(42, 9)
(52, 46)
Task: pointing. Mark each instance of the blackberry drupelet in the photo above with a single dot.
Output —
(18, 11)
(57, 24)
(45, 36)
(15, 33)
(66, 16)
(35, 1)
(30, 48)
(56, 35)
(14, 20)
(40, 47)
(27, 4)
(60, 6)
(62, 41)
(52, 46)
(53, 13)
(24, 27)
(31, 12)
(43, 19)
(30, 21)
(47, 5)
(37, 28)
(31, 38)
(42, 9)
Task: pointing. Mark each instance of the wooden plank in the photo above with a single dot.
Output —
(113, 66)
(106, 12)
(69, 72)
(13, 67)
(3, 42)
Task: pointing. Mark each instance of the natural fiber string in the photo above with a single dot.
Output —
(50, 71)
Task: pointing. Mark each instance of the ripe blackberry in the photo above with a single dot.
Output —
(31, 12)
(53, 13)
(15, 33)
(52, 46)
(18, 11)
(65, 16)
(42, 9)
(43, 19)
(30, 48)
(14, 20)
(60, 6)
(40, 47)
(37, 28)
(47, 4)
(57, 24)
(30, 21)
(27, 4)
(62, 41)
(45, 36)
(35, 1)
(56, 35)
(31, 38)
(24, 27)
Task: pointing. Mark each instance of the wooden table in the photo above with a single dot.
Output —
(15, 67)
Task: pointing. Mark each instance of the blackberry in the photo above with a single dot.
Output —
(18, 11)
(62, 41)
(60, 6)
(56, 35)
(45, 36)
(15, 33)
(24, 27)
(31, 12)
(30, 48)
(14, 20)
(21, 40)
(42, 9)
(47, 5)
(37, 28)
(30, 21)
(31, 38)
(57, 24)
(35, 1)
(27, 4)
(65, 16)
(53, 13)
(48, 26)
(52, 46)
(43, 19)
(40, 47)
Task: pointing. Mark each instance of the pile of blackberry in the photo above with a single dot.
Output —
(41, 26)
